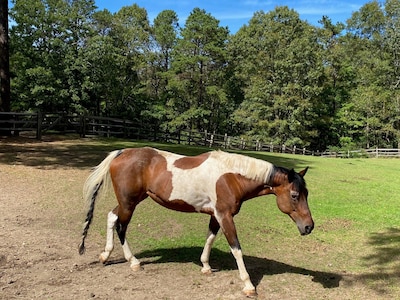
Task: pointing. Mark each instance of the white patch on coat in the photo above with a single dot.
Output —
(197, 186)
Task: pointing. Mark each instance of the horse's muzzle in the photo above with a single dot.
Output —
(307, 229)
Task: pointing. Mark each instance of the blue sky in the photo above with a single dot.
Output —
(235, 14)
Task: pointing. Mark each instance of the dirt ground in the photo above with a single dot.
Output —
(40, 228)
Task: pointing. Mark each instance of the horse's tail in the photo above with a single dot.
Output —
(97, 182)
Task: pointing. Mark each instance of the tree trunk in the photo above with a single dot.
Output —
(4, 58)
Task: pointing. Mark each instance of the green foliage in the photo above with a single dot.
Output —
(196, 87)
(281, 73)
(278, 79)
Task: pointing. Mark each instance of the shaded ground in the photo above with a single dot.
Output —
(40, 226)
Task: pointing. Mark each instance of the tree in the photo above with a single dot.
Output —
(4, 58)
(101, 57)
(337, 84)
(196, 90)
(164, 38)
(372, 35)
(277, 58)
(131, 34)
(47, 40)
(79, 88)
(165, 35)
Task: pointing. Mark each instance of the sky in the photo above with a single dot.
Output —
(235, 14)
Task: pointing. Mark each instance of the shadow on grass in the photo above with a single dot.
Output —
(64, 151)
(52, 153)
(384, 261)
(386, 249)
(257, 267)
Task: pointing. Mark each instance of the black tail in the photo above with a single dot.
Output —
(98, 181)
(89, 218)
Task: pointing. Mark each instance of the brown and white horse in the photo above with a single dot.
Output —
(214, 183)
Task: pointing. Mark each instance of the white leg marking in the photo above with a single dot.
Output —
(135, 263)
(248, 286)
(111, 220)
(205, 256)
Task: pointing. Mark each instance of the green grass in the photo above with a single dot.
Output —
(353, 202)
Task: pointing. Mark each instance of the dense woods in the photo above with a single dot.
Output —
(278, 78)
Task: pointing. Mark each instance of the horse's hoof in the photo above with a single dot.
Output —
(136, 267)
(207, 271)
(103, 257)
(250, 293)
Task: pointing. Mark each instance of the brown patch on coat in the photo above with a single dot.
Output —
(178, 205)
(232, 189)
(188, 162)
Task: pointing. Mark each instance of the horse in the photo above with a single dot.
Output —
(214, 183)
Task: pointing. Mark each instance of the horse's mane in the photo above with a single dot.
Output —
(249, 167)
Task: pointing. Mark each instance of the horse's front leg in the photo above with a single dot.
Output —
(213, 228)
(229, 229)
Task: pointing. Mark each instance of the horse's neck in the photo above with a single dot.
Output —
(278, 177)
(249, 167)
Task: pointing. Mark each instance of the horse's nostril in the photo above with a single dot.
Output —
(309, 228)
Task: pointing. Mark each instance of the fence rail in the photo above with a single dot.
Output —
(373, 152)
(16, 122)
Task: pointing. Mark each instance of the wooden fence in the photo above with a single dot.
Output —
(373, 152)
(87, 126)
(113, 127)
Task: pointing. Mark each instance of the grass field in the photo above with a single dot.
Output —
(355, 205)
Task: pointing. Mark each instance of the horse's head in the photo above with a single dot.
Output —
(291, 194)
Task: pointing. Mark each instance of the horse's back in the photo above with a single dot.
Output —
(167, 176)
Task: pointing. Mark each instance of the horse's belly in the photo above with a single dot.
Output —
(184, 203)
(199, 197)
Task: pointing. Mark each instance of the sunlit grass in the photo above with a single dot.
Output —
(354, 202)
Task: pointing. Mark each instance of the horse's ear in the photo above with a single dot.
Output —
(303, 172)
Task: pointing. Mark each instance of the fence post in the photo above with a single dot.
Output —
(225, 141)
(205, 138)
(124, 133)
(82, 126)
(294, 149)
(211, 140)
(39, 125)
(304, 151)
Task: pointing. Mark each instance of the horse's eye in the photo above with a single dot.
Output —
(294, 195)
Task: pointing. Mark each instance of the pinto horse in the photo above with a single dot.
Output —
(215, 183)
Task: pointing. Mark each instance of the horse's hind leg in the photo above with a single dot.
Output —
(124, 217)
(111, 220)
(114, 221)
